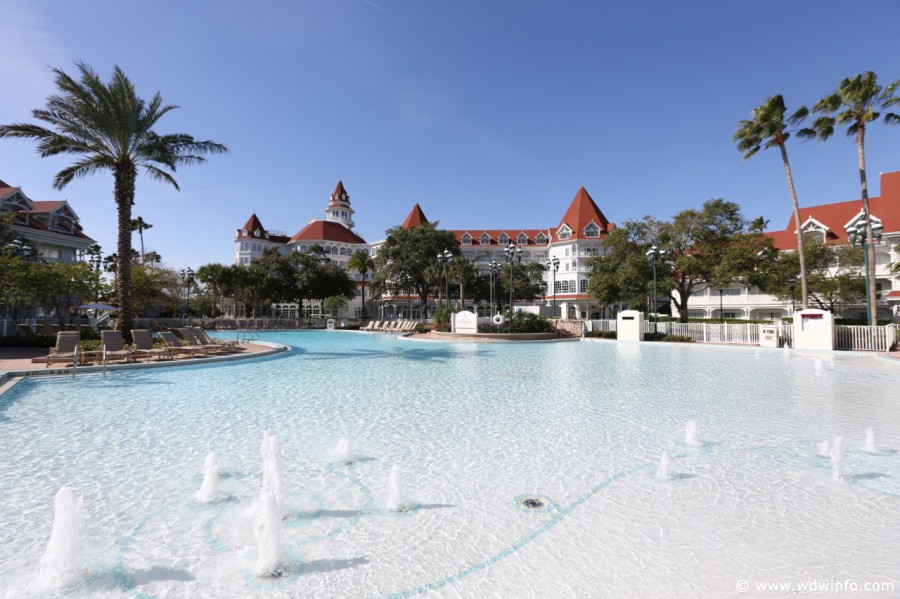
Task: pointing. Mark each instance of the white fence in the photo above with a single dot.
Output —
(851, 337)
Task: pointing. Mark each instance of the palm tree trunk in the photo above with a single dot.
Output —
(124, 190)
(801, 253)
(870, 239)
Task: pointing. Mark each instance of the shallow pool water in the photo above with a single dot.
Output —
(476, 430)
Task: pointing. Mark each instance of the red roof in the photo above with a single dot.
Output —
(415, 218)
(339, 195)
(835, 216)
(253, 224)
(582, 212)
(323, 230)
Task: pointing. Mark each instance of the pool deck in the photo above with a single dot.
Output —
(21, 361)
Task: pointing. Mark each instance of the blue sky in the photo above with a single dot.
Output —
(490, 114)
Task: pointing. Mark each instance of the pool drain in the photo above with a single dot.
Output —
(533, 503)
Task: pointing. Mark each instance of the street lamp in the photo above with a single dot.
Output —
(553, 265)
(494, 268)
(444, 261)
(513, 255)
(793, 282)
(187, 276)
(653, 254)
(858, 238)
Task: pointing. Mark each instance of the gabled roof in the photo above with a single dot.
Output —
(415, 218)
(323, 230)
(581, 212)
(339, 195)
(253, 225)
(834, 217)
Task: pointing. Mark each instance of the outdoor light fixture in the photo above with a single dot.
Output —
(654, 254)
(513, 255)
(858, 238)
(553, 265)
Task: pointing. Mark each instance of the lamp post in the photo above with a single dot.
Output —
(793, 282)
(187, 276)
(858, 238)
(553, 265)
(444, 261)
(493, 269)
(653, 254)
(513, 254)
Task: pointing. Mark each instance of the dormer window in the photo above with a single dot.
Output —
(564, 232)
(541, 239)
(466, 239)
(246, 232)
(522, 239)
(503, 239)
(592, 230)
(485, 239)
(256, 233)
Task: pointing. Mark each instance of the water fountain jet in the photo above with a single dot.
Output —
(268, 537)
(690, 433)
(837, 457)
(662, 472)
(823, 449)
(869, 445)
(342, 451)
(57, 566)
(209, 490)
(395, 492)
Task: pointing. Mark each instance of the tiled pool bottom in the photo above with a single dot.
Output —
(474, 430)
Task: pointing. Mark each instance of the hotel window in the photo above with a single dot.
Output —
(592, 230)
(466, 239)
(244, 246)
(522, 239)
(541, 239)
(485, 239)
(582, 286)
(503, 239)
(564, 232)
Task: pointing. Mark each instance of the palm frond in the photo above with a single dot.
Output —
(891, 118)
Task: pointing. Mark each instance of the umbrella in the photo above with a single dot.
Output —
(106, 307)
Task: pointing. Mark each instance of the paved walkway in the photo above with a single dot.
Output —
(14, 359)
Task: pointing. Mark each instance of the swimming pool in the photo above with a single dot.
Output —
(475, 429)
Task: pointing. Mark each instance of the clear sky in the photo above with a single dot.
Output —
(489, 113)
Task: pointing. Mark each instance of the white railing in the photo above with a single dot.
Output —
(864, 338)
(846, 337)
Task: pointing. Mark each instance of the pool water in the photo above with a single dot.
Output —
(476, 431)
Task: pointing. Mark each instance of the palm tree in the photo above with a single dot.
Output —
(463, 270)
(153, 258)
(362, 262)
(108, 127)
(855, 102)
(768, 128)
(140, 225)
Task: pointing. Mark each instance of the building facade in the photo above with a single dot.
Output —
(574, 241)
(48, 229)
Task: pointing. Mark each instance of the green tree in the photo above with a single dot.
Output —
(855, 103)
(409, 253)
(835, 275)
(362, 263)
(109, 127)
(768, 128)
(140, 225)
(620, 274)
(336, 304)
(528, 282)
(149, 286)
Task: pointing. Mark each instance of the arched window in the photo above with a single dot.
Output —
(522, 239)
(466, 239)
(485, 239)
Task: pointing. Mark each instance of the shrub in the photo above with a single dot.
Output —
(676, 339)
(27, 341)
(525, 322)
(602, 334)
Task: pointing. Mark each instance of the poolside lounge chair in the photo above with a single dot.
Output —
(66, 349)
(188, 334)
(226, 344)
(113, 347)
(143, 345)
(175, 345)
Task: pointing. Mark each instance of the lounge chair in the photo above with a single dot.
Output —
(66, 349)
(143, 346)
(188, 334)
(175, 345)
(113, 347)
(226, 344)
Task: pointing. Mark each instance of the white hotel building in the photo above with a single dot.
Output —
(573, 242)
